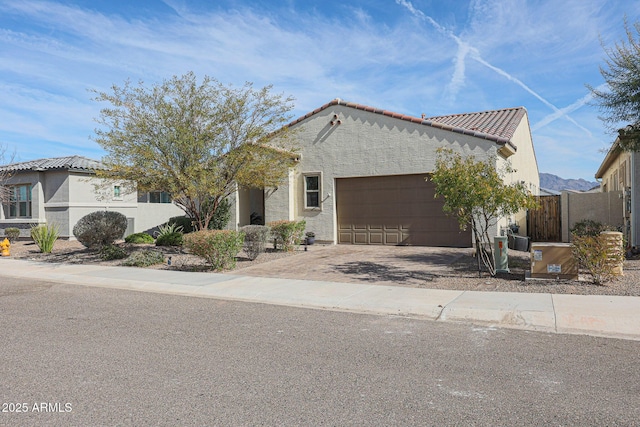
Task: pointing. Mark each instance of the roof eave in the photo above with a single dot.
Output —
(612, 154)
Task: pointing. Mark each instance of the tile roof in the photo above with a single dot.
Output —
(66, 163)
(497, 125)
(500, 123)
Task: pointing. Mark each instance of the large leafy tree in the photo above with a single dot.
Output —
(195, 140)
(475, 192)
(619, 101)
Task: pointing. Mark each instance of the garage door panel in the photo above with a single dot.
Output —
(392, 239)
(361, 238)
(376, 238)
(392, 210)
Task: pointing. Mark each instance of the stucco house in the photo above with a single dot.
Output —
(619, 173)
(62, 190)
(360, 176)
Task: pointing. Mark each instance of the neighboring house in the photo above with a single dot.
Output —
(619, 172)
(361, 173)
(62, 190)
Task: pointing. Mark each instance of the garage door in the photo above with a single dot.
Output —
(394, 210)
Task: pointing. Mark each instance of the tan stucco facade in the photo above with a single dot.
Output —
(343, 142)
(619, 173)
(525, 167)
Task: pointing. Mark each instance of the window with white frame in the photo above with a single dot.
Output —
(19, 203)
(117, 194)
(312, 187)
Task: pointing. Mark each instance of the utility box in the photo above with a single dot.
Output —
(501, 254)
(553, 261)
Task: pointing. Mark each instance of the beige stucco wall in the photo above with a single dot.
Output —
(617, 176)
(279, 202)
(605, 208)
(525, 168)
(619, 172)
(149, 215)
(63, 197)
(368, 144)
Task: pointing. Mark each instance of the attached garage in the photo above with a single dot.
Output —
(395, 210)
(360, 173)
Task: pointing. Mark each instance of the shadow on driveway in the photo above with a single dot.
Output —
(374, 272)
(412, 266)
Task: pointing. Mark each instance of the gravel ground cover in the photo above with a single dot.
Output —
(461, 274)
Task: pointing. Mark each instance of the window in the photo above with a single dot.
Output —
(116, 193)
(159, 197)
(19, 205)
(154, 197)
(312, 184)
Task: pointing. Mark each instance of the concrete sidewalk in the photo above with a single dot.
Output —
(608, 316)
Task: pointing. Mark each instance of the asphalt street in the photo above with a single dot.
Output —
(75, 355)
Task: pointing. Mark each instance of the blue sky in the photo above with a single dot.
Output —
(412, 57)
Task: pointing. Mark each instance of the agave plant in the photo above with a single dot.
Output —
(168, 228)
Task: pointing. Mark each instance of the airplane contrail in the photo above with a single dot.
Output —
(465, 49)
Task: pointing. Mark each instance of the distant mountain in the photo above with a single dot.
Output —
(554, 182)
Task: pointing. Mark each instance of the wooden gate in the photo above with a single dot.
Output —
(543, 224)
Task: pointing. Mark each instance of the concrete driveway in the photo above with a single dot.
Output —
(413, 266)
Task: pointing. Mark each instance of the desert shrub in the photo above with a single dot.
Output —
(588, 227)
(45, 236)
(595, 255)
(12, 233)
(168, 228)
(183, 221)
(144, 258)
(169, 235)
(218, 247)
(139, 238)
(255, 239)
(170, 239)
(110, 252)
(100, 228)
(288, 234)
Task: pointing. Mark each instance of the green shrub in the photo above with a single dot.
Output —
(221, 216)
(12, 233)
(110, 252)
(168, 228)
(144, 258)
(588, 227)
(100, 228)
(218, 247)
(255, 239)
(288, 234)
(170, 239)
(182, 221)
(139, 238)
(595, 255)
(169, 234)
(45, 236)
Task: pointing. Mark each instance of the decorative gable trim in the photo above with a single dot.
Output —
(453, 123)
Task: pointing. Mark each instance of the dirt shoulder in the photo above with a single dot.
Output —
(434, 268)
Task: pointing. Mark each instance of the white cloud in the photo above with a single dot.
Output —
(387, 54)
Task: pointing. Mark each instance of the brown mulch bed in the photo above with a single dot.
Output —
(461, 275)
